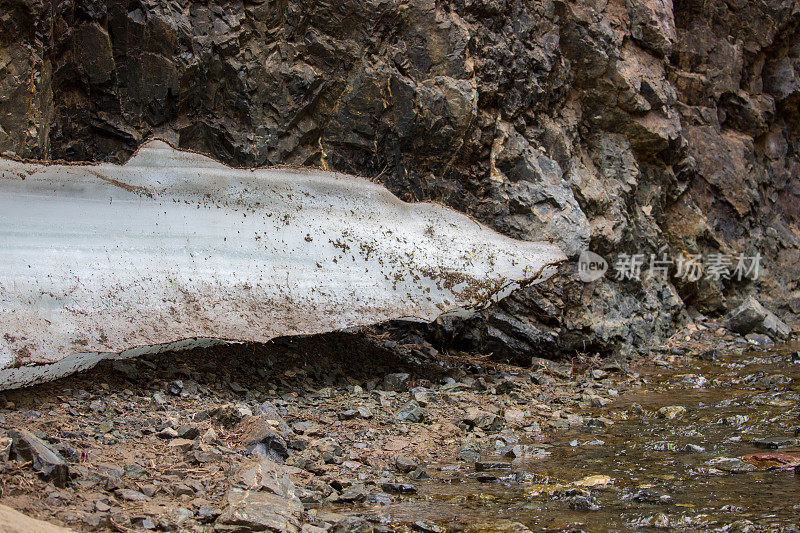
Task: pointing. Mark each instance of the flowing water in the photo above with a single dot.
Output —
(680, 473)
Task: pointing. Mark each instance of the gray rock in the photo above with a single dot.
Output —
(399, 488)
(751, 316)
(271, 413)
(583, 503)
(263, 474)
(229, 415)
(131, 495)
(259, 511)
(259, 437)
(477, 418)
(469, 453)
(404, 464)
(652, 24)
(424, 396)
(398, 382)
(410, 412)
(47, 461)
(773, 443)
(351, 524)
(188, 431)
(484, 466)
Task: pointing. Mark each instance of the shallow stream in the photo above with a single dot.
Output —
(681, 473)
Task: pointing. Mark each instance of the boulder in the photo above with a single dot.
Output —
(751, 317)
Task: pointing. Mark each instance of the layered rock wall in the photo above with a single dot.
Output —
(620, 126)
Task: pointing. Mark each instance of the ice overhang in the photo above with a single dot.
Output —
(104, 260)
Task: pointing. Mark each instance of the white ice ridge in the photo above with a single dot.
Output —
(104, 260)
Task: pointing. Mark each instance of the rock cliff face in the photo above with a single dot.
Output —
(620, 126)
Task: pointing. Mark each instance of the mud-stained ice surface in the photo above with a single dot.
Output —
(112, 260)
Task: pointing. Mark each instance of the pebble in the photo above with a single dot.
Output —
(404, 464)
(399, 488)
(410, 412)
(46, 460)
(671, 412)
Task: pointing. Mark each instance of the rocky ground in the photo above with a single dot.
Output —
(323, 433)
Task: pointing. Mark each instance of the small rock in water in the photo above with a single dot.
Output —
(583, 503)
(399, 488)
(773, 443)
(636, 409)
(732, 465)
(483, 466)
(671, 412)
(693, 448)
(351, 524)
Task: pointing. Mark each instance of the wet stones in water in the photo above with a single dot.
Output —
(671, 412)
(649, 495)
(795, 357)
(735, 420)
(46, 460)
(773, 443)
(731, 465)
(351, 524)
(399, 488)
(426, 527)
(411, 412)
(353, 494)
(583, 503)
(485, 466)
